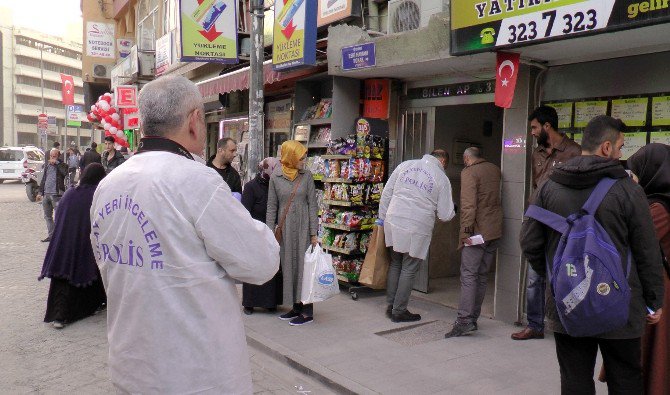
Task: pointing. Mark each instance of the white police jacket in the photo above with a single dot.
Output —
(170, 240)
(415, 191)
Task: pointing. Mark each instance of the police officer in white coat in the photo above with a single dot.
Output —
(170, 241)
(414, 193)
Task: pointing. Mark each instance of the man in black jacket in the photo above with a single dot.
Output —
(226, 149)
(111, 158)
(90, 156)
(52, 188)
(624, 214)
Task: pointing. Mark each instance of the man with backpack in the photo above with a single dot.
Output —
(590, 233)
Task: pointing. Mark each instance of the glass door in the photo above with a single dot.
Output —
(417, 126)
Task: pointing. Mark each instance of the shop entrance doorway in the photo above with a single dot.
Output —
(452, 128)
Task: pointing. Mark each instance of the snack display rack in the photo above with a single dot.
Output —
(352, 174)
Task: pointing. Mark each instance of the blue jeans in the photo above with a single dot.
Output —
(535, 289)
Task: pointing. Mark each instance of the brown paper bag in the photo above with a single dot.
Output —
(376, 265)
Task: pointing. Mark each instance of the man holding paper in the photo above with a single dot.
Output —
(481, 229)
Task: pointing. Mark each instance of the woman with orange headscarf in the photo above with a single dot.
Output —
(292, 208)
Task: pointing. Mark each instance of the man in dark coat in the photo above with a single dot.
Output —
(52, 188)
(624, 214)
(90, 156)
(226, 149)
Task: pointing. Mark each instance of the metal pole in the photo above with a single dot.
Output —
(43, 137)
(256, 92)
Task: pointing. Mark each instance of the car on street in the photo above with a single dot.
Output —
(16, 160)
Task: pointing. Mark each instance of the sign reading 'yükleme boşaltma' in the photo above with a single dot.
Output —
(208, 30)
(294, 42)
(482, 25)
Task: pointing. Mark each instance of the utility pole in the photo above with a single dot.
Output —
(256, 92)
(43, 137)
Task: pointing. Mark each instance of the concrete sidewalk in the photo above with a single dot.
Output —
(354, 348)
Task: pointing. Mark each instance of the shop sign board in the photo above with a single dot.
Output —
(52, 127)
(125, 96)
(124, 45)
(464, 89)
(294, 41)
(163, 53)
(208, 31)
(484, 25)
(333, 10)
(358, 56)
(278, 116)
(100, 40)
(377, 98)
(75, 114)
(131, 118)
(42, 122)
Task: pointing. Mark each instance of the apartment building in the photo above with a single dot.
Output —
(31, 85)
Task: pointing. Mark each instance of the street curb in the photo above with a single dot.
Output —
(332, 379)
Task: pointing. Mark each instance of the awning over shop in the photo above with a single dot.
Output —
(239, 79)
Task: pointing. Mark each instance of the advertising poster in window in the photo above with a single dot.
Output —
(100, 40)
(483, 25)
(208, 31)
(294, 43)
(660, 111)
(163, 53)
(587, 110)
(632, 111)
(632, 143)
(564, 111)
(662, 137)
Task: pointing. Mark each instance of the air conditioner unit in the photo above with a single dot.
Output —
(102, 71)
(406, 15)
(147, 63)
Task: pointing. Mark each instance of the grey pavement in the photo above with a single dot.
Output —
(35, 358)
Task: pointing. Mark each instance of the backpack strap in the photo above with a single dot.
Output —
(548, 218)
(598, 195)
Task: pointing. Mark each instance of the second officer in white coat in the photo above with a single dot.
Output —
(416, 191)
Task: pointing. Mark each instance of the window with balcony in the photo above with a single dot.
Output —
(50, 48)
(30, 81)
(147, 17)
(26, 61)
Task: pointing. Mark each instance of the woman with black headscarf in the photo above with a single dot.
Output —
(76, 290)
(651, 165)
(255, 199)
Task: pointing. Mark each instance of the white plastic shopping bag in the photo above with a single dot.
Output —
(318, 279)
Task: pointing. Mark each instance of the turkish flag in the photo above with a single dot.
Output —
(67, 89)
(507, 69)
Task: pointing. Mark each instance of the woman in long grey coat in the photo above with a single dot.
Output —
(299, 228)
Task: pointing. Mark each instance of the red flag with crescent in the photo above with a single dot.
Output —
(507, 69)
(67, 89)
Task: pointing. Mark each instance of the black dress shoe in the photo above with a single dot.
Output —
(248, 310)
(389, 311)
(405, 316)
(48, 239)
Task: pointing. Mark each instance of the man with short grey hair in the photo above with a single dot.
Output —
(52, 188)
(170, 241)
(481, 229)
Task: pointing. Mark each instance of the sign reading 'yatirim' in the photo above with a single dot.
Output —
(484, 25)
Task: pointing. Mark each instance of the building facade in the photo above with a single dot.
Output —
(31, 85)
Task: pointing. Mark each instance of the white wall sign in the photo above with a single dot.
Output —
(163, 53)
(100, 40)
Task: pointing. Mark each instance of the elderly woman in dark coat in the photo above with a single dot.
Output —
(76, 290)
(255, 199)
